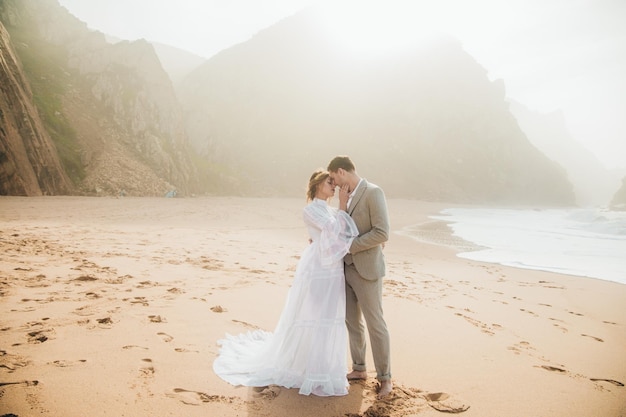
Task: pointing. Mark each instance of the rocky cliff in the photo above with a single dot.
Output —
(29, 163)
(426, 123)
(619, 199)
(594, 185)
(111, 110)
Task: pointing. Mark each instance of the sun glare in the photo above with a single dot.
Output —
(374, 27)
(371, 27)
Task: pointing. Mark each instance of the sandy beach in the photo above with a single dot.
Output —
(113, 307)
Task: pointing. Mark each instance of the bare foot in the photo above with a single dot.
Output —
(385, 389)
(354, 375)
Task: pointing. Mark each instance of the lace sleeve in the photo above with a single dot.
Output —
(337, 231)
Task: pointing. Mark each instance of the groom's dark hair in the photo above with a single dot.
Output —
(342, 162)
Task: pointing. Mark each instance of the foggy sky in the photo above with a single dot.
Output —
(567, 55)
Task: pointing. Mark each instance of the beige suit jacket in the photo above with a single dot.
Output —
(368, 209)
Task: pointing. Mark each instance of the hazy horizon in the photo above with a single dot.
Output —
(554, 55)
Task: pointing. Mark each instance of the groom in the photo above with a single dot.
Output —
(364, 270)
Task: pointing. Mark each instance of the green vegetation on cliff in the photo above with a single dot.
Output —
(43, 65)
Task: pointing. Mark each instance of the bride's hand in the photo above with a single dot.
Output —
(344, 194)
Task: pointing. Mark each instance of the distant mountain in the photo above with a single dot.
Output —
(424, 124)
(619, 199)
(110, 110)
(256, 119)
(594, 185)
(177, 62)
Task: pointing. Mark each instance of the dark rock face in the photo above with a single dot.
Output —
(28, 159)
(111, 110)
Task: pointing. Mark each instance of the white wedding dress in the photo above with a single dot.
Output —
(308, 347)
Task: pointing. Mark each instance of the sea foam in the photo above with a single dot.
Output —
(582, 242)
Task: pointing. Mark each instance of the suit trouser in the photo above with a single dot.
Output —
(364, 299)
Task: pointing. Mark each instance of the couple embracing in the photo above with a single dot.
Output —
(337, 284)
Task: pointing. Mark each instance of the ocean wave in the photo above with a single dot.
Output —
(583, 242)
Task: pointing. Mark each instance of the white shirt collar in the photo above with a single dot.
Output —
(355, 188)
(352, 193)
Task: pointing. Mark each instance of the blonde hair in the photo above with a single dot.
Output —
(317, 178)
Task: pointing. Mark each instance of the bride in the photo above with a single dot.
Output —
(307, 349)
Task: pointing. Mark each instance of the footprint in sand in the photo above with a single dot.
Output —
(529, 312)
(105, 322)
(521, 346)
(485, 328)
(157, 319)
(39, 336)
(548, 284)
(268, 393)
(24, 310)
(27, 383)
(118, 280)
(593, 337)
(441, 401)
(559, 325)
(246, 324)
(552, 368)
(12, 362)
(138, 300)
(85, 278)
(211, 264)
(404, 401)
(65, 363)
(87, 310)
(197, 398)
(610, 381)
(166, 337)
(147, 371)
(134, 347)
(183, 350)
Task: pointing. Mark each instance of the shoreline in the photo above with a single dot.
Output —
(441, 232)
(115, 306)
(437, 232)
